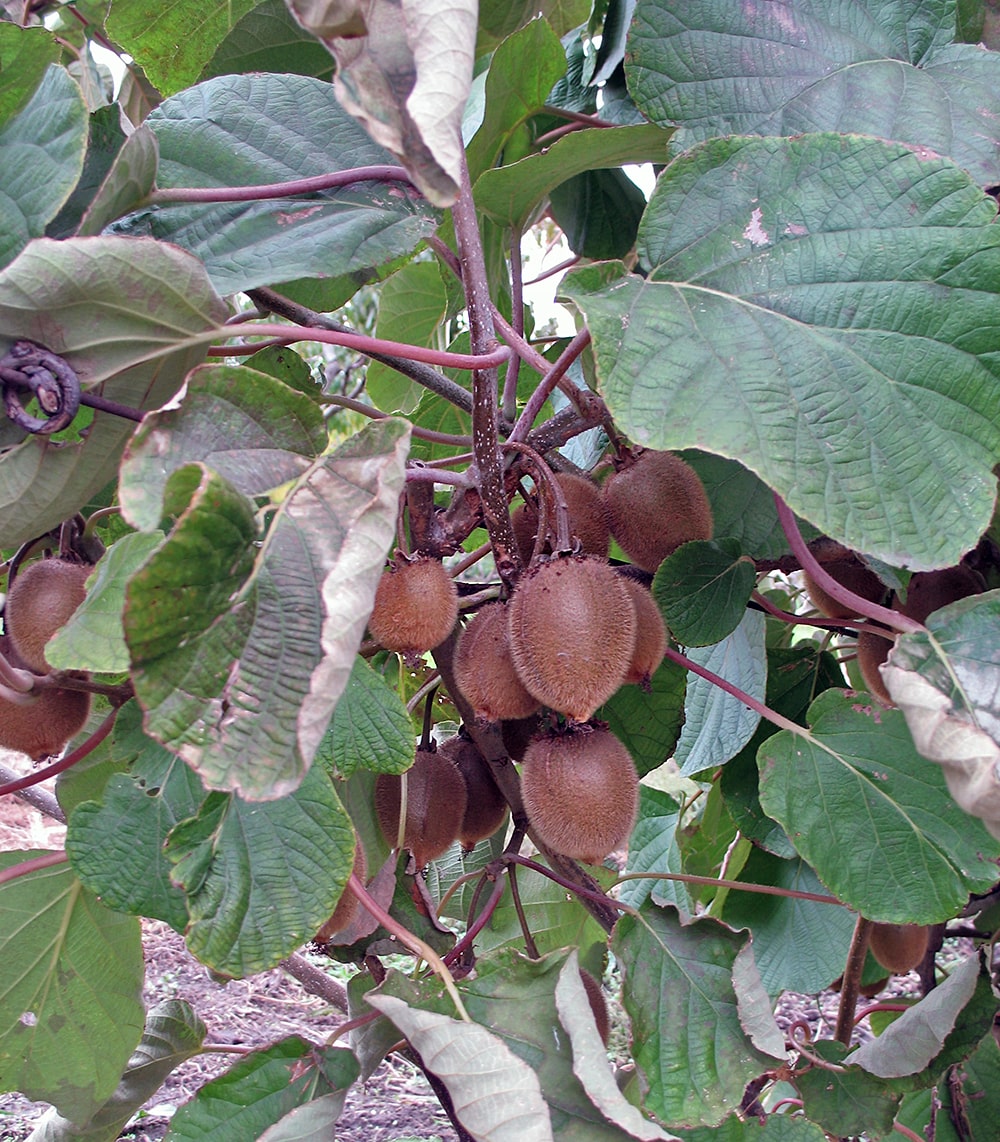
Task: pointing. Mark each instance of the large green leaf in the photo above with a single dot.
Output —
(240, 652)
(875, 67)
(242, 130)
(846, 1100)
(25, 54)
(687, 1015)
(370, 728)
(824, 310)
(872, 816)
(41, 156)
(267, 38)
(70, 979)
(261, 878)
(129, 180)
(128, 316)
(703, 588)
(173, 42)
(648, 723)
(499, 18)
(947, 683)
(652, 847)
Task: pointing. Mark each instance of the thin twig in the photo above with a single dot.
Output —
(383, 173)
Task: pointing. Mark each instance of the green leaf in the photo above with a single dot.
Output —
(439, 415)
(250, 129)
(173, 43)
(261, 1089)
(370, 728)
(945, 682)
(838, 291)
(648, 724)
(173, 1034)
(798, 945)
(847, 1101)
(127, 315)
(689, 1044)
(25, 55)
(859, 764)
(115, 843)
(509, 194)
(267, 38)
(412, 304)
(105, 140)
(774, 1128)
(971, 1097)
(499, 18)
(599, 212)
(717, 725)
(703, 589)
(261, 877)
(129, 180)
(218, 656)
(252, 429)
(653, 848)
(887, 69)
(41, 157)
(70, 977)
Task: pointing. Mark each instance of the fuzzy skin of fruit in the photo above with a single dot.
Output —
(484, 669)
(588, 518)
(44, 596)
(435, 805)
(42, 727)
(654, 505)
(852, 574)
(929, 591)
(898, 947)
(580, 791)
(571, 625)
(650, 634)
(873, 650)
(485, 806)
(348, 906)
(416, 606)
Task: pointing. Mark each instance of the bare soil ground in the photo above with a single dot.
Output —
(395, 1104)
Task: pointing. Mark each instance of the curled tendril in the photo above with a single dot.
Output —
(48, 378)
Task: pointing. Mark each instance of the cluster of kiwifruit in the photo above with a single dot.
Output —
(41, 599)
(450, 796)
(927, 591)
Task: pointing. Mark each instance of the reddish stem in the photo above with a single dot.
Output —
(33, 865)
(382, 173)
(551, 379)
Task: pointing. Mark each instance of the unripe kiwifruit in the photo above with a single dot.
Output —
(873, 650)
(588, 517)
(929, 591)
(43, 597)
(598, 1004)
(899, 947)
(42, 727)
(485, 806)
(571, 625)
(655, 504)
(348, 905)
(435, 805)
(416, 606)
(852, 574)
(484, 669)
(580, 791)
(650, 634)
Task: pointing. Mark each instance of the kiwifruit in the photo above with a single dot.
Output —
(43, 597)
(899, 947)
(42, 726)
(588, 517)
(348, 905)
(650, 634)
(598, 1004)
(484, 669)
(571, 625)
(416, 606)
(655, 503)
(873, 650)
(435, 805)
(852, 574)
(929, 591)
(580, 791)
(485, 806)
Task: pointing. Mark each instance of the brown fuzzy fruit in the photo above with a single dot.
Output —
(899, 947)
(873, 650)
(929, 591)
(416, 606)
(855, 576)
(598, 1005)
(571, 625)
(650, 634)
(484, 669)
(348, 905)
(42, 727)
(580, 791)
(588, 518)
(485, 806)
(435, 805)
(654, 505)
(43, 597)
